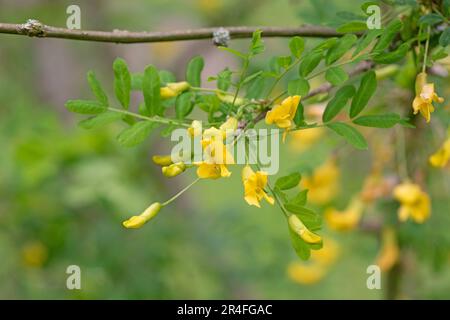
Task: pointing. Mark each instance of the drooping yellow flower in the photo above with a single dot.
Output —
(254, 184)
(425, 95)
(389, 253)
(440, 158)
(283, 114)
(173, 170)
(162, 160)
(34, 254)
(173, 89)
(138, 221)
(305, 274)
(322, 185)
(415, 203)
(296, 225)
(304, 139)
(347, 219)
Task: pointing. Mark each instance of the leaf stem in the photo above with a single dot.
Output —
(180, 192)
(155, 119)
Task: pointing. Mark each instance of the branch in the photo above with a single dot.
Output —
(34, 28)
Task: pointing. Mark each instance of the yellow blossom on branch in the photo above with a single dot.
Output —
(138, 221)
(283, 114)
(254, 184)
(173, 89)
(300, 229)
(425, 96)
(415, 203)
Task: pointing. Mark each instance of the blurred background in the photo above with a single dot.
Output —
(65, 191)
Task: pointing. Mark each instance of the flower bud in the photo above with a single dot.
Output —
(228, 98)
(299, 228)
(173, 170)
(162, 160)
(173, 89)
(138, 221)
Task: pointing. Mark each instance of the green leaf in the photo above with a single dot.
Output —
(257, 45)
(325, 44)
(97, 88)
(430, 19)
(394, 56)
(151, 90)
(166, 77)
(256, 89)
(183, 105)
(444, 39)
(280, 194)
(336, 76)
(122, 82)
(100, 120)
(366, 40)
(352, 26)
(298, 87)
(341, 47)
(224, 79)
(388, 35)
(312, 220)
(135, 134)
(299, 118)
(301, 247)
(288, 182)
(85, 106)
(284, 61)
(252, 77)
(310, 62)
(349, 133)
(387, 120)
(338, 102)
(194, 71)
(300, 198)
(365, 91)
(297, 45)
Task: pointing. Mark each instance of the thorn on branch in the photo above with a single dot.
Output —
(32, 28)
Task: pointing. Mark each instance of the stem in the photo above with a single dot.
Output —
(38, 29)
(208, 90)
(282, 75)
(427, 44)
(241, 79)
(151, 119)
(180, 193)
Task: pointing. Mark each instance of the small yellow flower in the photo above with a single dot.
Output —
(425, 95)
(440, 158)
(299, 228)
(173, 89)
(138, 221)
(173, 170)
(389, 253)
(347, 219)
(34, 254)
(160, 160)
(231, 124)
(254, 184)
(415, 203)
(322, 185)
(283, 114)
(305, 274)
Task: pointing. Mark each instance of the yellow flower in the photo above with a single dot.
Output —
(283, 114)
(173, 170)
(173, 89)
(138, 221)
(389, 253)
(299, 228)
(305, 274)
(162, 160)
(304, 139)
(415, 203)
(254, 184)
(440, 157)
(322, 185)
(347, 219)
(231, 124)
(34, 254)
(425, 95)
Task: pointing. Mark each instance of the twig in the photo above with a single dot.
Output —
(34, 28)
